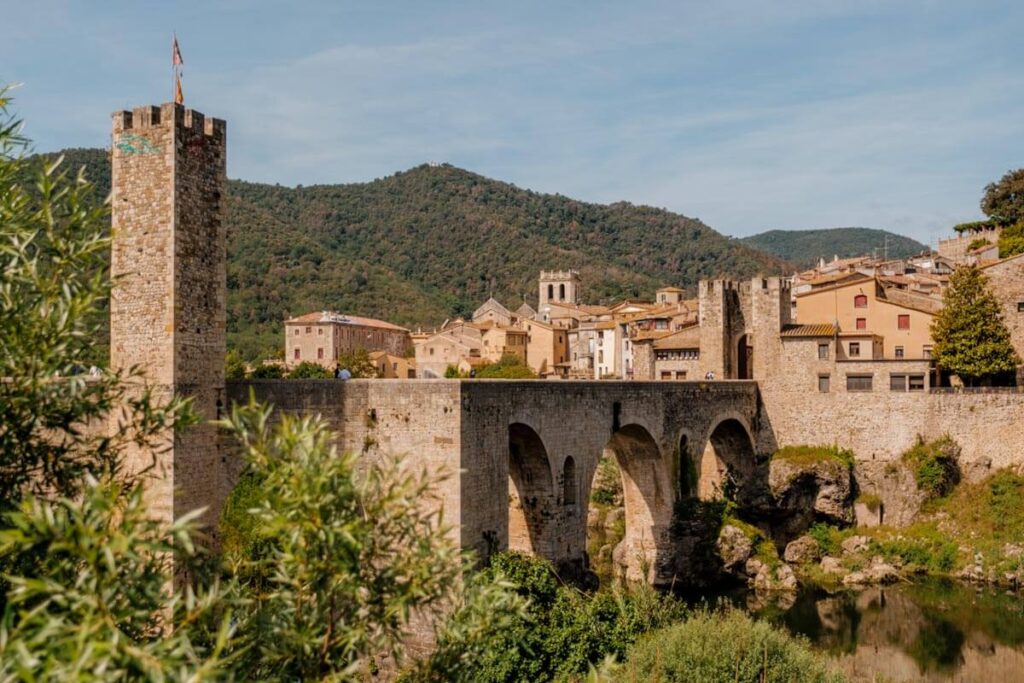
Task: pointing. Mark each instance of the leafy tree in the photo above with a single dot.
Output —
(53, 285)
(98, 606)
(359, 364)
(235, 366)
(971, 339)
(309, 370)
(342, 560)
(1003, 201)
(509, 367)
(1011, 241)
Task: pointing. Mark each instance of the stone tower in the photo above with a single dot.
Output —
(168, 308)
(557, 286)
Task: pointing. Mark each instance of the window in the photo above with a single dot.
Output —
(320, 353)
(297, 354)
(551, 292)
(431, 351)
(561, 292)
(319, 331)
(860, 301)
(858, 382)
(903, 322)
(822, 351)
(666, 375)
(600, 356)
(899, 352)
(569, 482)
(1020, 306)
(296, 331)
(906, 382)
(680, 374)
(862, 323)
(926, 351)
(823, 383)
(309, 330)
(854, 349)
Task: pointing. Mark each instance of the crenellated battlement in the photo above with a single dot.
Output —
(151, 116)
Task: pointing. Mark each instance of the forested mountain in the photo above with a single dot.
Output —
(805, 247)
(433, 242)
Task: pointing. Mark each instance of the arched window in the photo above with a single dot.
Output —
(561, 292)
(569, 482)
(860, 301)
(551, 292)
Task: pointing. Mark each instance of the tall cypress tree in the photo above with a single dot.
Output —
(970, 337)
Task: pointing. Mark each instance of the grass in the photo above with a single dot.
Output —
(812, 455)
(870, 500)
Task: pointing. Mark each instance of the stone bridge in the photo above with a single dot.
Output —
(520, 456)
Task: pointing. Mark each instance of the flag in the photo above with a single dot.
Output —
(176, 59)
(179, 97)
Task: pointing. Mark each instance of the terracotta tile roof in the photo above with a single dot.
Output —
(670, 289)
(342, 319)
(688, 338)
(813, 330)
(605, 325)
(911, 300)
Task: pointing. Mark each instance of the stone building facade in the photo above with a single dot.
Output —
(324, 337)
(1006, 280)
(168, 306)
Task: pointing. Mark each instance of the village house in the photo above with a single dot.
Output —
(547, 348)
(326, 336)
(863, 307)
(393, 367)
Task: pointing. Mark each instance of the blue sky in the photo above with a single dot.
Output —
(750, 115)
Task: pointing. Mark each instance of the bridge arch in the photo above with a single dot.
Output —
(686, 463)
(530, 491)
(647, 494)
(727, 460)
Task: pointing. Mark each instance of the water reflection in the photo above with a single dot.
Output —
(928, 631)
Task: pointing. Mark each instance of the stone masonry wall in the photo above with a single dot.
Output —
(462, 429)
(168, 304)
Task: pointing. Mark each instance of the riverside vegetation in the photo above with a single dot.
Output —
(322, 567)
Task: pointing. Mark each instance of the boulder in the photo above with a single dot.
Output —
(856, 579)
(882, 572)
(831, 565)
(893, 482)
(734, 547)
(856, 544)
(804, 493)
(802, 551)
(780, 578)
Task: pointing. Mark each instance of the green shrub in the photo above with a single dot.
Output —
(234, 365)
(452, 372)
(509, 367)
(309, 370)
(565, 632)
(607, 489)
(810, 455)
(724, 646)
(829, 538)
(267, 371)
(934, 465)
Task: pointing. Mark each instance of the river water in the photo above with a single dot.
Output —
(930, 630)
